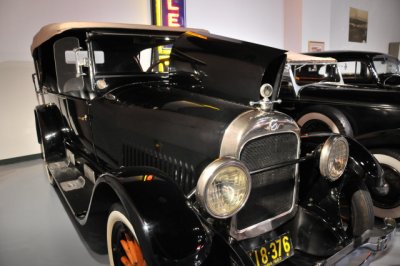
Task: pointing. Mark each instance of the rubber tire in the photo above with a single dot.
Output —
(362, 211)
(117, 214)
(390, 158)
(331, 117)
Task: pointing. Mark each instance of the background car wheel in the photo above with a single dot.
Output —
(388, 205)
(324, 119)
(122, 243)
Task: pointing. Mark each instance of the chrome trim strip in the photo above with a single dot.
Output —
(249, 126)
(252, 124)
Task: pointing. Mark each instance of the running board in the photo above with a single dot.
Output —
(76, 188)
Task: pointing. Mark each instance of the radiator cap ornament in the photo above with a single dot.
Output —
(265, 104)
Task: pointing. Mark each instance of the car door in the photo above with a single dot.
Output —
(72, 80)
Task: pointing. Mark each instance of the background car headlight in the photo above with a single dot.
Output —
(223, 187)
(334, 157)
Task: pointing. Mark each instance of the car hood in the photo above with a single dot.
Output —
(223, 67)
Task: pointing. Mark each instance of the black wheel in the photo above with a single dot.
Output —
(388, 205)
(358, 214)
(122, 243)
(362, 211)
(324, 119)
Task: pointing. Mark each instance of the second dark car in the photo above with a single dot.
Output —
(314, 92)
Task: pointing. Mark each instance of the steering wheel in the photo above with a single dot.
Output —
(162, 61)
(391, 76)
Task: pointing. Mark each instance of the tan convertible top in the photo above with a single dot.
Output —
(48, 31)
(295, 58)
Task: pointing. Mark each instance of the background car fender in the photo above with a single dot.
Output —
(49, 129)
(381, 139)
(385, 146)
(169, 230)
(361, 162)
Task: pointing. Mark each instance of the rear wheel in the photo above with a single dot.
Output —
(122, 242)
(388, 205)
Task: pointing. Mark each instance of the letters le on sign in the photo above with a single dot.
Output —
(169, 13)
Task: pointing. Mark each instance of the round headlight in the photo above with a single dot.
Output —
(334, 156)
(223, 187)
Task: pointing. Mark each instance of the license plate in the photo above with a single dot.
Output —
(273, 252)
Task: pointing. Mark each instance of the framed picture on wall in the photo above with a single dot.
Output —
(358, 25)
(314, 46)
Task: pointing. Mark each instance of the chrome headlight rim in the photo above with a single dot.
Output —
(208, 176)
(325, 156)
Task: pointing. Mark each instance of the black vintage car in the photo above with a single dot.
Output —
(320, 94)
(150, 136)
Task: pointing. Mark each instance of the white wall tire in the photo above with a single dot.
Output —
(388, 159)
(324, 118)
(319, 117)
(117, 218)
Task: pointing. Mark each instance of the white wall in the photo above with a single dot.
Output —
(316, 22)
(293, 25)
(259, 21)
(383, 24)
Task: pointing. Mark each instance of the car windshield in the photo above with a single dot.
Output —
(386, 65)
(132, 54)
(305, 74)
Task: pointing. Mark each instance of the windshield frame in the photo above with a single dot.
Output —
(297, 87)
(388, 60)
(95, 38)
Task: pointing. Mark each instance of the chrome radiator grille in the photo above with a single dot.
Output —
(273, 190)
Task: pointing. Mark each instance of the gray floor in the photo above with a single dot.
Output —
(36, 230)
(34, 226)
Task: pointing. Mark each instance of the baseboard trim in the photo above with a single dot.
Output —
(21, 159)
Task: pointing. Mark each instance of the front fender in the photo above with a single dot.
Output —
(169, 230)
(321, 200)
(361, 164)
(381, 139)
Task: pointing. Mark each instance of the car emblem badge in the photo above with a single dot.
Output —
(274, 124)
